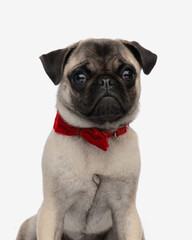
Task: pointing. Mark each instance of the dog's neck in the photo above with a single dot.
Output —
(93, 136)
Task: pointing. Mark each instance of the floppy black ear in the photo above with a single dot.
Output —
(146, 58)
(55, 61)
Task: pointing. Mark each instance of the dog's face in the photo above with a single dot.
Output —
(99, 81)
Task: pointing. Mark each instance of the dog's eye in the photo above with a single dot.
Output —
(128, 75)
(79, 78)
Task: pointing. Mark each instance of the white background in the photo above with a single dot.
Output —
(27, 103)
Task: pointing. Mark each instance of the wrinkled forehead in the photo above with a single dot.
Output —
(102, 53)
(99, 49)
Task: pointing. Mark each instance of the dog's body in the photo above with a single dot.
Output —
(90, 193)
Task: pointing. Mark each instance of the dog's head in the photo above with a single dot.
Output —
(99, 81)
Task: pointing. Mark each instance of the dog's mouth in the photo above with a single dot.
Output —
(107, 109)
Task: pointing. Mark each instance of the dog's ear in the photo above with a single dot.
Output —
(146, 58)
(55, 61)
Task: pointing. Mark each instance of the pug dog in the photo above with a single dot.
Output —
(91, 160)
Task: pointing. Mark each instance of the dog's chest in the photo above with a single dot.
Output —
(87, 214)
(83, 176)
(67, 157)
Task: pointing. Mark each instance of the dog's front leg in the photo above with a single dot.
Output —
(121, 200)
(127, 225)
(50, 221)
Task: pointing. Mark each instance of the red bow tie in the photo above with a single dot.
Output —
(91, 135)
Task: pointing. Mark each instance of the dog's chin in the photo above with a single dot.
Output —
(107, 109)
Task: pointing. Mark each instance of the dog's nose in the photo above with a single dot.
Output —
(106, 82)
